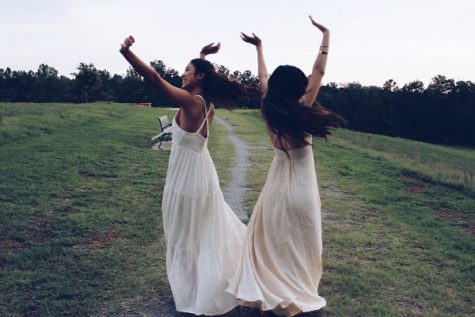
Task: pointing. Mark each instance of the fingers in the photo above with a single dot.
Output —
(318, 25)
(248, 39)
(210, 48)
(207, 47)
(215, 48)
(128, 41)
(312, 20)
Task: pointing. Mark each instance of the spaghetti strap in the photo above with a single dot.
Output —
(205, 120)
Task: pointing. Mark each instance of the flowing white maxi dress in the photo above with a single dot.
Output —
(281, 262)
(203, 234)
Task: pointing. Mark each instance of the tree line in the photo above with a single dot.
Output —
(443, 112)
(90, 84)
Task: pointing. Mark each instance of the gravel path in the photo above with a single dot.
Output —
(236, 188)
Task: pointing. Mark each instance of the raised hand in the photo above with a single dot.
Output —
(319, 26)
(210, 49)
(127, 43)
(318, 69)
(254, 40)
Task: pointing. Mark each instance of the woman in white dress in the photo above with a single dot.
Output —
(203, 234)
(281, 263)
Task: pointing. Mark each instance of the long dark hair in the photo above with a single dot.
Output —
(284, 114)
(220, 90)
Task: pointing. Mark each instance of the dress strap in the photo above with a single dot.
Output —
(205, 120)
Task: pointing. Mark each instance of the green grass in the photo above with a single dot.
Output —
(80, 217)
(441, 164)
(397, 240)
(81, 231)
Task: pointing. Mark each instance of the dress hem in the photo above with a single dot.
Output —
(208, 313)
(282, 305)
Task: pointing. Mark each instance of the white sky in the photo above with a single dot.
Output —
(371, 40)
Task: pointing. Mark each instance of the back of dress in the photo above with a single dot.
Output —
(203, 234)
(281, 265)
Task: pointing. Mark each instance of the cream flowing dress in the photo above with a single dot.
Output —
(203, 234)
(281, 262)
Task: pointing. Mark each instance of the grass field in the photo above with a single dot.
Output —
(81, 232)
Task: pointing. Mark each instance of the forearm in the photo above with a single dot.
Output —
(321, 60)
(143, 69)
(262, 73)
(318, 71)
(261, 65)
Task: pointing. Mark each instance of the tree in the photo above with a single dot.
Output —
(105, 92)
(235, 75)
(87, 80)
(159, 66)
(46, 87)
(222, 70)
(416, 86)
(390, 85)
(440, 84)
(46, 72)
(247, 78)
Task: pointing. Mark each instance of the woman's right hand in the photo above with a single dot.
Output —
(323, 29)
(254, 40)
(127, 43)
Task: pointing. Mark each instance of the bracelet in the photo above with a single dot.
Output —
(323, 52)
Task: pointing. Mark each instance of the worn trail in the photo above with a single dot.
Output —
(236, 188)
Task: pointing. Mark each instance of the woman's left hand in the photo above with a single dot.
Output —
(210, 49)
(254, 39)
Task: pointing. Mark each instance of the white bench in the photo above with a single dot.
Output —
(166, 131)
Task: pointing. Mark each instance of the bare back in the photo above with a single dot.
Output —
(191, 119)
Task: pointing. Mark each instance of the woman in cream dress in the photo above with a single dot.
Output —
(281, 263)
(203, 234)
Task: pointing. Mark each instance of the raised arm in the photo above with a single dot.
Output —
(209, 49)
(262, 73)
(318, 69)
(178, 95)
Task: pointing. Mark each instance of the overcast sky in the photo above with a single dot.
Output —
(371, 40)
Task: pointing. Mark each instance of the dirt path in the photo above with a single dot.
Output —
(236, 188)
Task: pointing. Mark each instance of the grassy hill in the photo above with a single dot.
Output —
(80, 218)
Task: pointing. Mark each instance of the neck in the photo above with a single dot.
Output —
(198, 90)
